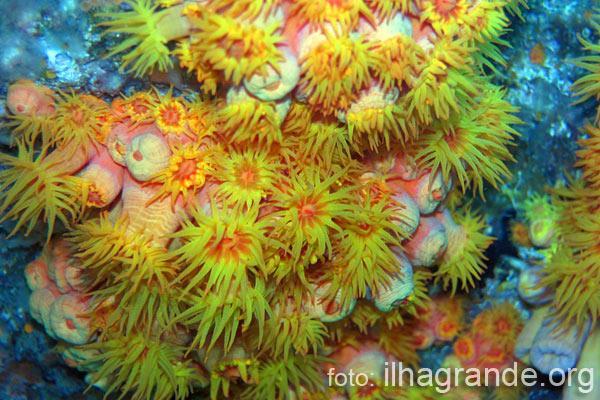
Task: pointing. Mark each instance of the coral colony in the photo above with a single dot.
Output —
(289, 217)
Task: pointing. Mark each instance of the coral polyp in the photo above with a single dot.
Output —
(246, 178)
(334, 70)
(464, 260)
(309, 211)
(37, 188)
(30, 106)
(570, 224)
(131, 268)
(285, 206)
(445, 83)
(445, 15)
(77, 122)
(367, 250)
(236, 49)
(399, 61)
(388, 9)
(246, 119)
(325, 14)
(489, 343)
(146, 49)
(145, 367)
(189, 166)
(224, 248)
(170, 116)
(475, 148)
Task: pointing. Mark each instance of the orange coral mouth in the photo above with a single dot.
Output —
(247, 176)
(307, 212)
(236, 50)
(448, 329)
(495, 355)
(70, 324)
(77, 115)
(95, 198)
(187, 170)
(464, 349)
(332, 308)
(171, 116)
(232, 248)
(503, 326)
(139, 106)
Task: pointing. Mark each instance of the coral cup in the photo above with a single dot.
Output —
(530, 289)
(59, 255)
(528, 334)
(401, 286)
(104, 178)
(428, 243)
(408, 215)
(542, 232)
(557, 348)
(428, 191)
(69, 320)
(147, 155)
(274, 85)
(36, 274)
(589, 364)
(326, 309)
(156, 219)
(26, 98)
(40, 302)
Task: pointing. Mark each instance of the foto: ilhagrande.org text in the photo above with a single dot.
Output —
(444, 379)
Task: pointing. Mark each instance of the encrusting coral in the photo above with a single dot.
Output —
(296, 209)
